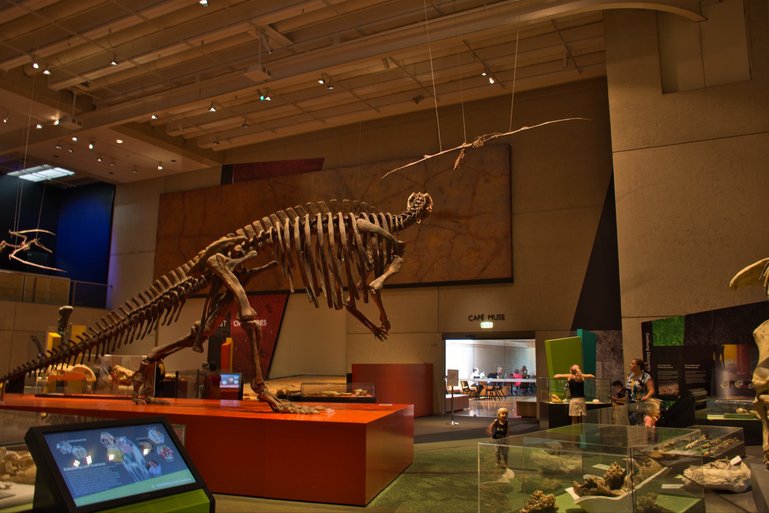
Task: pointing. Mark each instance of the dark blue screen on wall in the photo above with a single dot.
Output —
(83, 232)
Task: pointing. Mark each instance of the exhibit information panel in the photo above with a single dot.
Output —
(107, 464)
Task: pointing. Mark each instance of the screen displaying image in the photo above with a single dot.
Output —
(104, 464)
(229, 380)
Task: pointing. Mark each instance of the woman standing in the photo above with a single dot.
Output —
(577, 406)
(640, 388)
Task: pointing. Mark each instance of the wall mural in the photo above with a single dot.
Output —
(468, 238)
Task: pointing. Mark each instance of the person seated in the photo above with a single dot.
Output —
(515, 389)
(478, 385)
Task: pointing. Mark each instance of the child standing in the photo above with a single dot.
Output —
(498, 430)
(577, 406)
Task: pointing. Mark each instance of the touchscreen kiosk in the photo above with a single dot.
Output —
(112, 465)
(230, 385)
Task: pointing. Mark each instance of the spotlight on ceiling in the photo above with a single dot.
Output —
(244, 124)
(59, 146)
(38, 125)
(154, 116)
(113, 62)
(326, 81)
(74, 138)
(35, 64)
(99, 158)
(160, 166)
(46, 70)
(119, 141)
(56, 122)
(91, 144)
(204, 3)
(212, 108)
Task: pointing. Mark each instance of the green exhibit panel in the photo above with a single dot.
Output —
(115, 466)
(562, 353)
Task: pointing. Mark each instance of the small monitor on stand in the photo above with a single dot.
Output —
(132, 464)
(231, 385)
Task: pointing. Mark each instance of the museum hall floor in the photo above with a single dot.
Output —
(443, 475)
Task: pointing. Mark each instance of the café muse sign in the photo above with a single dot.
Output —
(486, 317)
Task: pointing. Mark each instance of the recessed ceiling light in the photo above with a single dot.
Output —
(119, 141)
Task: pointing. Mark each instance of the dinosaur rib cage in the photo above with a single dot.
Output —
(325, 244)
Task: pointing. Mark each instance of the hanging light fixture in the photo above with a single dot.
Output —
(160, 166)
(154, 117)
(91, 144)
(113, 62)
(46, 70)
(212, 108)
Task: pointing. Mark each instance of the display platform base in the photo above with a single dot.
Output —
(346, 454)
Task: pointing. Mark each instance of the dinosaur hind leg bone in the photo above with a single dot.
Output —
(222, 266)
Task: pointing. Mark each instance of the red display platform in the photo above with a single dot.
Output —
(410, 383)
(344, 455)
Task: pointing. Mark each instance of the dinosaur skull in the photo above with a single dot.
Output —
(421, 204)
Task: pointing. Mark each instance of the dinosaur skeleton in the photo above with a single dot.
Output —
(25, 244)
(335, 249)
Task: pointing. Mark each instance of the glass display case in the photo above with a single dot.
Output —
(731, 409)
(338, 392)
(588, 467)
(556, 391)
(553, 396)
(709, 442)
(108, 375)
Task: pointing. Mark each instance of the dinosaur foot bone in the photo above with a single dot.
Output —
(149, 400)
(283, 406)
